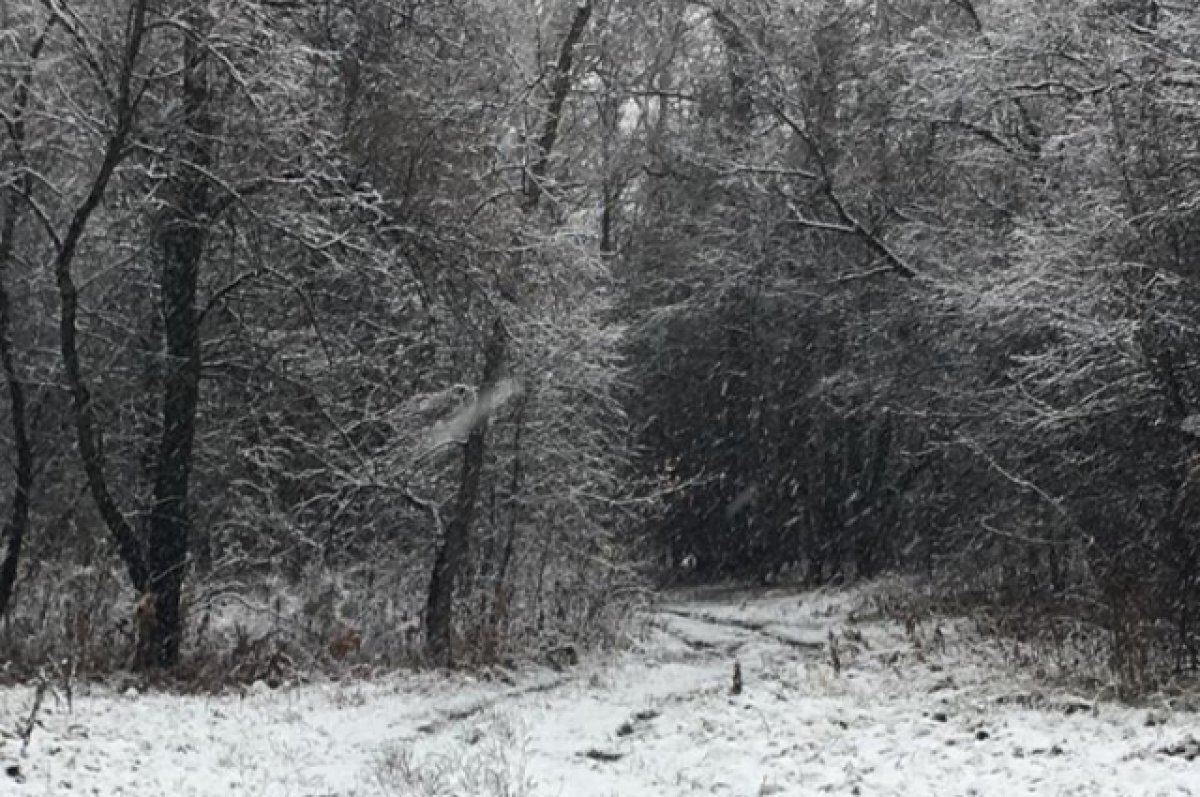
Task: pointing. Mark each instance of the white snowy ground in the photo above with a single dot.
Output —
(903, 715)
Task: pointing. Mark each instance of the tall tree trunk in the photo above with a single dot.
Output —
(182, 232)
(451, 562)
(156, 563)
(560, 87)
(453, 553)
(89, 436)
(497, 614)
(17, 525)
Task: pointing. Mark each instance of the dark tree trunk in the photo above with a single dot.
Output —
(454, 549)
(155, 563)
(510, 539)
(89, 436)
(560, 87)
(452, 561)
(182, 232)
(501, 593)
(16, 526)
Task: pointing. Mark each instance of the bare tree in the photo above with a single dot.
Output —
(16, 193)
(189, 210)
(452, 559)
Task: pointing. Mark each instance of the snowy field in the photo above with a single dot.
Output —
(897, 711)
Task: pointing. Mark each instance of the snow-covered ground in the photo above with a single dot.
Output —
(896, 712)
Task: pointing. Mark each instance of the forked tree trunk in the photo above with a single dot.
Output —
(157, 559)
(89, 436)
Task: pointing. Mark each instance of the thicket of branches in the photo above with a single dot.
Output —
(431, 321)
(306, 345)
(916, 290)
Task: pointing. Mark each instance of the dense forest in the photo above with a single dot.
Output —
(441, 329)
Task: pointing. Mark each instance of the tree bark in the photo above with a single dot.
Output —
(157, 561)
(497, 614)
(452, 560)
(182, 233)
(560, 87)
(453, 553)
(16, 527)
(17, 524)
(89, 437)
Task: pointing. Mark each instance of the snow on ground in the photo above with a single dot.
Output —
(895, 712)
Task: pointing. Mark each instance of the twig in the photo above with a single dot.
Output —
(39, 696)
(1014, 478)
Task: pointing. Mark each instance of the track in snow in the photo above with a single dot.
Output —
(897, 717)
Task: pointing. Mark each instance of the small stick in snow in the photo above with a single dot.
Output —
(736, 688)
(26, 731)
(606, 756)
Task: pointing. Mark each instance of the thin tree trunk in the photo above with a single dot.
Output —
(453, 553)
(89, 437)
(17, 524)
(16, 527)
(501, 594)
(560, 88)
(452, 559)
(182, 233)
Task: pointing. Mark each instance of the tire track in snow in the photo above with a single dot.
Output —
(759, 628)
(449, 716)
